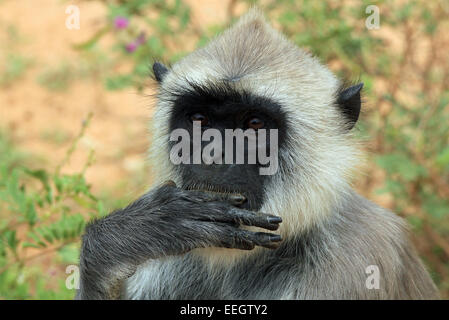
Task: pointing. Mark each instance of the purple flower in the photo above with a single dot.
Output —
(121, 22)
(52, 272)
(141, 38)
(131, 47)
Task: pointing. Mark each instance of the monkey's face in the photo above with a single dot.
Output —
(252, 77)
(227, 155)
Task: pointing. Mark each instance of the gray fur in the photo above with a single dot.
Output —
(180, 244)
(328, 262)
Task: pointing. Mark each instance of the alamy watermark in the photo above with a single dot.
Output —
(73, 20)
(234, 139)
(373, 280)
(372, 22)
(72, 282)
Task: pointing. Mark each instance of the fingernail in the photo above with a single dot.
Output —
(170, 183)
(274, 219)
(238, 198)
(275, 238)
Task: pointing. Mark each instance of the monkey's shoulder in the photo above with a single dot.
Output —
(364, 236)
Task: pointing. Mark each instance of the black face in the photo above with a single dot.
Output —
(223, 108)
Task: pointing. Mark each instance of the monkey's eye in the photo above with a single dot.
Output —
(199, 117)
(255, 123)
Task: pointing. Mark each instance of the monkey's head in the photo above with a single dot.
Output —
(251, 77)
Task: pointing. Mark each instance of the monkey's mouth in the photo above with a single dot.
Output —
(223, 192)
(218, 190)
(212, 189)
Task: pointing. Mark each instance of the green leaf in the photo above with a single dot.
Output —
(436, 206)
(442, 159)
(415, 221)
(29, 245)
(11, 239)
(89, 44)
(31, 215)
(393, 187)
(45, 234)
(402, 165)
(55, 232)
(40, 174)
(155, 46)
(118, 82)
(14, 190)
(58, 183)
(69, 254)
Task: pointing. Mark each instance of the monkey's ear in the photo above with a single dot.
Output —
(350, 103)
(159, 71)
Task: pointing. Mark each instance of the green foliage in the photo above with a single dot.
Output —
(47, 211)
(397, 164)
(58, 78)
(15, 66)
(144, 30)
(411, 134)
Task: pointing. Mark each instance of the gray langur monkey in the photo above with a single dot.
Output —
(206, 231)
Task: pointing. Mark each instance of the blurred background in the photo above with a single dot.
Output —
(75, 104)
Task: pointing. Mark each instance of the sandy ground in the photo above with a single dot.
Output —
(38, 119)
(31, 113)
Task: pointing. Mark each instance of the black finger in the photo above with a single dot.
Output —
(209, 196)
(250, 218)
(266, 240)
(238, 243)
(229, 237)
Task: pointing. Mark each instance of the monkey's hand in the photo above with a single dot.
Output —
(165, 221)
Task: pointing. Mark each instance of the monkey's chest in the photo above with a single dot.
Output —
(186, 277)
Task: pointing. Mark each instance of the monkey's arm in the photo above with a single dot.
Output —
(166, 221)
